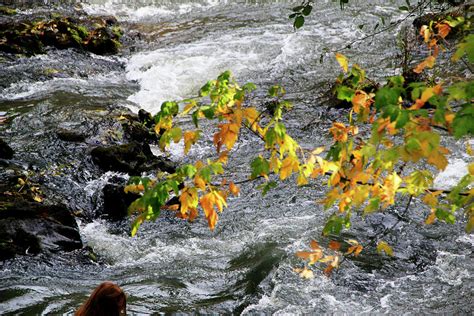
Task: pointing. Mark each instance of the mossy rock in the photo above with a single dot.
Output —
(98, 35)
(7, 11)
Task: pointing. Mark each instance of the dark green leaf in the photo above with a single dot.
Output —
(299, 21)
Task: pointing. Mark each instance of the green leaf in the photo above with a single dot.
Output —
(280, 130)
(445, 215)
(345, 93)
(307, 9)
(402, 119)
(267, 187)
(403, 8)
(206, 89)
(249, 87)
(187, 171)
(260, 166)
(299, 21)
(386, 96)
(169, 108)
(208, 111)
(298, 8)
(276, 91)
(270, 137)
(334, 225)
(463, 123)
(397, 81)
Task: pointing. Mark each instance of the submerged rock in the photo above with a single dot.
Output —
(133, 158)
(28, 227)
(5, 151)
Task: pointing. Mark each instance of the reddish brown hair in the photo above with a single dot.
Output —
(108, 299)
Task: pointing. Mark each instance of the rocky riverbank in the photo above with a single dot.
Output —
(52, 146)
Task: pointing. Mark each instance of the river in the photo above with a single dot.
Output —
(246, 264)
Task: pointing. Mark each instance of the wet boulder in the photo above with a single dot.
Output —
(29, 227)
(116, 201)
(69, 135)
(5, 151)
(132, 158)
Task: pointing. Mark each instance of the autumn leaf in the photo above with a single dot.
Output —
(289, 165)
(443, 29)
(343, 62)
(190, 138)
(427, 63)
(383, 246)
(208, 202)
(305, 273)
(234, 189)
(334, 245)
(188, 199)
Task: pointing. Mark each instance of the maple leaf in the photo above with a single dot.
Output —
(443, 29)
(208, 202)
(289, 165)
(389, 189)
(190, 138)
(227, 135)
(234, 189)
(188, 199)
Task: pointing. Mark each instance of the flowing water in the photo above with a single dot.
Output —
(246, 264)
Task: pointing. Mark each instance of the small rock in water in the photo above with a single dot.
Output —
(5, 151)
(133, 158)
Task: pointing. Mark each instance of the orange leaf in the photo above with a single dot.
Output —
(190, 138)
(334, 245)
(207, 203)
(443, 29)
(234, 189)
(314, 245)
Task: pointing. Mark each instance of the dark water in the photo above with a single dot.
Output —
(245, 265)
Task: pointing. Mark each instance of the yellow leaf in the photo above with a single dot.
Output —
(471, 169)
(289, 165)
(318, 150)
(343, 62)
(431, 218)
(302, 180)
(188, 199)
(383, 246)
(427, 94)
(438, 159)
(38, 198)
(305, 273)
(430, 199)
(199, 182)
(188, 107)
(132, 188)
(223, 157)
(425, 32)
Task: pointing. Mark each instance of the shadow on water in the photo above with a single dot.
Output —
(258, 262)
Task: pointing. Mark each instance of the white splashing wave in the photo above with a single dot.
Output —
(131, 11)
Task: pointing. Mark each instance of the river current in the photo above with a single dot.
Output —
(246, 265)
